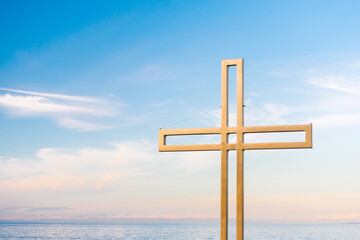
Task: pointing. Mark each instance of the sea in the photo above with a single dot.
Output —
(177, 231)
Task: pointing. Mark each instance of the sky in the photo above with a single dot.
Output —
(86, 85)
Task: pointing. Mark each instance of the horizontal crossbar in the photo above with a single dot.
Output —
(307, 128)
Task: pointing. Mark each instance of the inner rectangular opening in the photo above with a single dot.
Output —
(232, 85)
(231, 138)
(232, 184)
(274, 137)
(190, 139)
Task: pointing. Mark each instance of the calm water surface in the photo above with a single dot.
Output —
(178, 231)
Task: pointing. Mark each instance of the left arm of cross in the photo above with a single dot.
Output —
(163, 133)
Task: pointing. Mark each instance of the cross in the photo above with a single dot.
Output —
(239, 146)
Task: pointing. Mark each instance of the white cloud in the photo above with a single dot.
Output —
(88, 180)
(55, 168)
(33, 105)
(73, 112)
(98, 167)
(114, 181)
(51, 95)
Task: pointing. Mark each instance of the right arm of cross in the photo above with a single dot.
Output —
(307, 128)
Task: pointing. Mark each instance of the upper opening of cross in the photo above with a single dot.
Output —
(225, 64)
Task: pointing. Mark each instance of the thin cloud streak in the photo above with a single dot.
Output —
(71, 112)
(58, 96)
(30, 105)
(336, 82)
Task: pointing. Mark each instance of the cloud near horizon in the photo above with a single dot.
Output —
(92, 180)
(81, 183)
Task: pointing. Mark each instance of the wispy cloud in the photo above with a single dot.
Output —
(55, 168)
(59, 96)
(33, 105)
(332, 100)
(337, 82)
(338, 100)
(73, 112)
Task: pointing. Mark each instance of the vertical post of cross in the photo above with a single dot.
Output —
(225, 64)
(240, 150)
(224, 152)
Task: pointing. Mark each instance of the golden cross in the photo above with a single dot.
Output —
(239, 146)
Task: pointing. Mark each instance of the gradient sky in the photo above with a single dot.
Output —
(85, 86)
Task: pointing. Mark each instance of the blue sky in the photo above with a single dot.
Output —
(85, 86)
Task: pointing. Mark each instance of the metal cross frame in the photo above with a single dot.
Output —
(239, 146)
